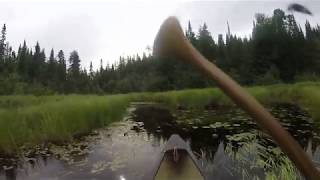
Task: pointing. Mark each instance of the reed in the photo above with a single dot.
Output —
(30, 120)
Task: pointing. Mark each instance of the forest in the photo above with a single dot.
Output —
(279, 50)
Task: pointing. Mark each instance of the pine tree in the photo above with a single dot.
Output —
(52, 67)
(74, 61)
(228, 34)
(3, 41)
(191, 35)
(91, 71)
(101, 66)
(62, 65)
(22, 61)
(221, 51)
(277, 50)
(43, 68)
(309, 32)
(2, 48)
(51, 58)
(205, 43)
(36, 64)
(74, 78)
(61, 70)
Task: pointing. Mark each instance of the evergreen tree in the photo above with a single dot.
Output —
(23, 61)
(205, 43)
(221, 51)
(191, 35)
(91, 71)
(61, 71)
(3, 41)
(37, 64)
(74, 61)
(62, 66)
(52, 66)
(2, 48)
(277, 51)
(74, 72)
(101, 66)
(309, 32)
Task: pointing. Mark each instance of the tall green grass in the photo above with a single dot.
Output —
(191, 98)
(286, 170)
(18, 101)
(58, 121)
(38, 119)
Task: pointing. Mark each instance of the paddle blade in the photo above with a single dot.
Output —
(170, 40)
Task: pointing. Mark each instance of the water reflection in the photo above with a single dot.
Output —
(211, 131)
(227, 143)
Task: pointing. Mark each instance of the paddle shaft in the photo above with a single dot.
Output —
(171, 41)
(263, 118)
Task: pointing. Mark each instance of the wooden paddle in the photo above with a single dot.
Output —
(170, 41)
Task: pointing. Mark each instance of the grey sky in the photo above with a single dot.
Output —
(108, 29)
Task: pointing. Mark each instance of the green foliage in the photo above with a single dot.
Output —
(276, 166)
(307, 77)
(38, 119)
(32, 120)
(286, 170)
(205, 43)
(270, 77)
(277, 51)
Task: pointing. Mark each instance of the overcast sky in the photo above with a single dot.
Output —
(108, 29)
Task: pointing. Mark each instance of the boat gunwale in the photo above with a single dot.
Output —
(171, 145)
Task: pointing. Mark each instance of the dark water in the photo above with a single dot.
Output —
(227, 144)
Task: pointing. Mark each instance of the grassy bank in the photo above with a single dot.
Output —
(56, 119)
(33, 120)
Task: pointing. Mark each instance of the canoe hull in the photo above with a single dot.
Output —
(182, 169)
(177, 162)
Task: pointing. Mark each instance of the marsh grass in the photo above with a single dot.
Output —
(30, 120)
(286, 170)
(58, 121)
(275, 165)
(18, 101)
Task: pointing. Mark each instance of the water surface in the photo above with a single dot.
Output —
(226, 142)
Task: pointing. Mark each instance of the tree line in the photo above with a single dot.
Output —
(278, 50)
